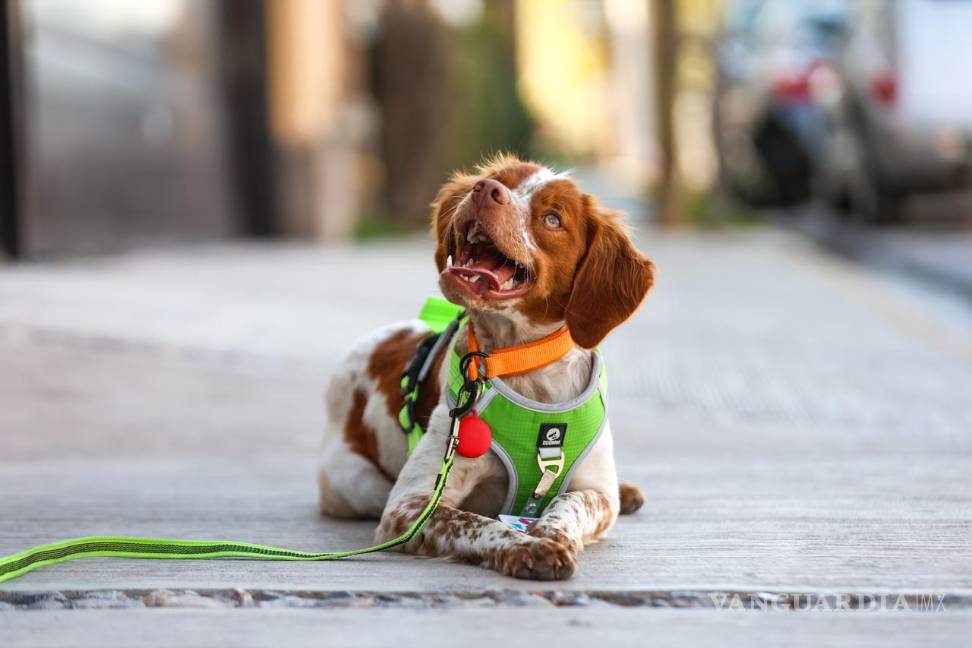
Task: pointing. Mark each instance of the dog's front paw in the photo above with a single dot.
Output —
(551, 532)
(537, 559)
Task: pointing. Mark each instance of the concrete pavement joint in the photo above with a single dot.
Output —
(816, 601)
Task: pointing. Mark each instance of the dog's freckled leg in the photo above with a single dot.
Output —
(462, 534)
(477, 539)
(577, 518)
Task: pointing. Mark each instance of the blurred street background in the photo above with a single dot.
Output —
(128, 124)
(203, 202)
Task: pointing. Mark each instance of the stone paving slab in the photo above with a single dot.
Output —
(513, 627)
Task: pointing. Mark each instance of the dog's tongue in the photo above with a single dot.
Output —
(498, 271)
(503, 273)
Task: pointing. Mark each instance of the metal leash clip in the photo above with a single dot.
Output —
(468, 395)
(466, 399)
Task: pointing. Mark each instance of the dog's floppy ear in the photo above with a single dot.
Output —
(443, 210)
(610, 283)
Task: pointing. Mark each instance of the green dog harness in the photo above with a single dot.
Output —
(540, 444)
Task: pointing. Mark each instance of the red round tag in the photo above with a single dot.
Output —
(475, 436)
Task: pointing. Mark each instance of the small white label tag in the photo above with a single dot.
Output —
(518, 522)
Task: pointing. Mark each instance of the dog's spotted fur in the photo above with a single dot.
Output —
(585, 274)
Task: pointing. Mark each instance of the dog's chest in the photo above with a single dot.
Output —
(559, 382)
(488, 496)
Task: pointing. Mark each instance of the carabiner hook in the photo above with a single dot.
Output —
(466, 398)
(466, 359)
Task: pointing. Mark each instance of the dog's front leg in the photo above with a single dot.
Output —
(461, 534)
(585, 513)
(480, 540)
(576, 518)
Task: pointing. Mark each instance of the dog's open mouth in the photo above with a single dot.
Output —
(479, 267)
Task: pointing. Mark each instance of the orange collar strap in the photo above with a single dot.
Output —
(519, 359)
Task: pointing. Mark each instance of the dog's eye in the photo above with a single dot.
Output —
(552, 221)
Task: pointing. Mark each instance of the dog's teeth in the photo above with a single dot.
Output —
(516, 282)
(474, 279)
(507, 285)
(449, 261)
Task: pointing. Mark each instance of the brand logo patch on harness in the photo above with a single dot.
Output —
(551, 435)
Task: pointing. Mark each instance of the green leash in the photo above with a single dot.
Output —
(22, 562)
(132, 547)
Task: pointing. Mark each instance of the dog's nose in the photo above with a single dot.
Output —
(490, 192)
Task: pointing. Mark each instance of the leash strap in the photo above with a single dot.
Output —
(509, 361)
(131, 547)
(442, 317)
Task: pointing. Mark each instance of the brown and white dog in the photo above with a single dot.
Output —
(524, 251)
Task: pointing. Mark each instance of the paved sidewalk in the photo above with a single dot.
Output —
(801, 427)
(938, 254)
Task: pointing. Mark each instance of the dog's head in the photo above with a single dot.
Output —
(516, 237)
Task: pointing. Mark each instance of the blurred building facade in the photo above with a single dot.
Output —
(143, 122)
(121, 127)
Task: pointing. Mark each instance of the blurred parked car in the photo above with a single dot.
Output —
(898, 106)
(768, 126)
